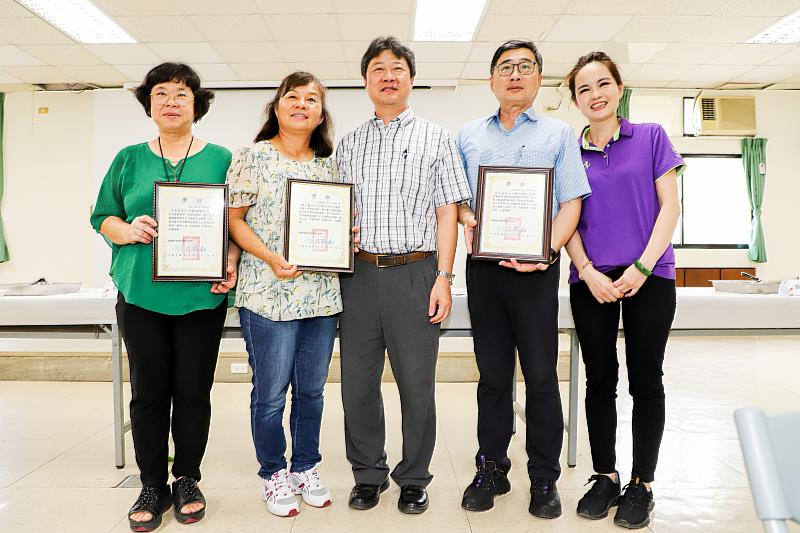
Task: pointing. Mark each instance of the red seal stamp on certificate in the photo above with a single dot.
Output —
(512, 229)
(190, 248)
(319, 240)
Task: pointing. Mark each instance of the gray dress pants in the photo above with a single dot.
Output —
(386, 309)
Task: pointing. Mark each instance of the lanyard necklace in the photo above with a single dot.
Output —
(180, 165)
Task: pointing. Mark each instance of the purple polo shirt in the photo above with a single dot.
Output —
(618, 218)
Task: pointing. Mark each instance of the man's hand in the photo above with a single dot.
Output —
(441, 301)
(524, 267)
(469, 232)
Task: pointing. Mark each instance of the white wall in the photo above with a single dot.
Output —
(54, 164)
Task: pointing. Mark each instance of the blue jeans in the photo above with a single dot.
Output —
(296, 352)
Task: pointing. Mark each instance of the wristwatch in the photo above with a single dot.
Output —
(449, 276)
(553, 256)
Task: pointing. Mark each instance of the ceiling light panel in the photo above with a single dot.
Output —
(447, 20)
(79, 19)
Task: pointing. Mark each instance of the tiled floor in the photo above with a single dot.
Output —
(57, 458)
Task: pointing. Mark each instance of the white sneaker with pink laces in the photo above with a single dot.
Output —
(310, 487)
(278, 494)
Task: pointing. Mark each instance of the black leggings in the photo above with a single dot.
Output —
(647, 318)
(172, 361)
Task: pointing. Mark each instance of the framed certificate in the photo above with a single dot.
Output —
(192, 242)
(514, 212)
(319, 219)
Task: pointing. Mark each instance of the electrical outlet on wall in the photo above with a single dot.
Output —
(238, 368)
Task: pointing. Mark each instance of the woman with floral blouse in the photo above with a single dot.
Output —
(288, 317)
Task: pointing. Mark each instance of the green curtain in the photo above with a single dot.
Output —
(624, 109)
(3, 247)
(754, 160)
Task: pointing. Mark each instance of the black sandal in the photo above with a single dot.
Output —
(153, 500)
(186, 491)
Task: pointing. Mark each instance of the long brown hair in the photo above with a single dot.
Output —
(591, 57)
(322, 137)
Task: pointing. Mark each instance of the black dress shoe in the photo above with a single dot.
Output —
(413, 499)
(365, 496)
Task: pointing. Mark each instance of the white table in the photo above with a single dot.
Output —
(701, 311)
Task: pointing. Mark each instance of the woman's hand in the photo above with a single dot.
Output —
(223, 287)
(521, 267)
(141, 229)
(281, 268)
(630, 281)
(356, 239)
(601, 286)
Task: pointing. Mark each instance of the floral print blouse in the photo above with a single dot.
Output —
(258, 177)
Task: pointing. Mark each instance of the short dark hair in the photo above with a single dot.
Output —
(322, 136)
(393, 44)
(515, 44)
(591, 57)
(179, 73)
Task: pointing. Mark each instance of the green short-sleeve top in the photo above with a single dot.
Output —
(127, 192)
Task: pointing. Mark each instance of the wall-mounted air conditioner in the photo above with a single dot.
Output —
(728, 115)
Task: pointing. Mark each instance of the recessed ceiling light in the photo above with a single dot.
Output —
(79, 19)
(447, 20)
(785, 31)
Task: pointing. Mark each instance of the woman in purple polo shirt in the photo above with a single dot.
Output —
(622, 260)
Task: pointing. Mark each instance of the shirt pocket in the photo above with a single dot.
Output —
(417, 172)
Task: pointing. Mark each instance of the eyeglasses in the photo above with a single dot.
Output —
(181, 98)
(525, 68)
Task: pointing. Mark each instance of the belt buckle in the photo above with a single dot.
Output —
(380, 264)
(385, 261)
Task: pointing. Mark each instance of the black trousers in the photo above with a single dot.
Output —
(647, 318)
(513, 310)
(172, 361)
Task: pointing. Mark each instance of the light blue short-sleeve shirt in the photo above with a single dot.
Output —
(534, 141)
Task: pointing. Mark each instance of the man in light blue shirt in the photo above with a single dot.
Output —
(514, 306)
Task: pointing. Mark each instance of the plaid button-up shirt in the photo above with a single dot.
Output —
(401, 171)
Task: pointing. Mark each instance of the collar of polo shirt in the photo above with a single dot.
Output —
(624, 130)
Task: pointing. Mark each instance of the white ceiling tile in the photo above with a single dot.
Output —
(187, 52)
(354, 70)
(31, 31)
(657, 29)
(476, 71)
(354, 50)
(303, 27)
(688, 53)
(500, 28)
(264, 52)
(215, 72)
(792, 57)
(62, 54)
(587, 28)
(527, 7)
(656, 72)
(160, 29)
(644, 52)
(769, 74)
(134, 72)
(715, 73)
(764, 8)
(684, 7)
(306, 6)
(751, 54)
(121, 8)
(691, 85)
(729, 29)
(11, 56)
(323, 71)
(607, 7)
(8, 78)
(564, 52)
(439, 71)
(124, 54)
(556, 69)
(793, 79)
(431, 52)
(261, 71)
(11, 9)
(318, 52)
(215, 7)
(788, 86)
(235, 28)
(371, 6)
(97, 75)
(358, 27)
(42, 74)
(483, 52)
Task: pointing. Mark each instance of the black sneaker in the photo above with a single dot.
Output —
(635, 506)
(545, 501)
(489, 482)
(603, 495)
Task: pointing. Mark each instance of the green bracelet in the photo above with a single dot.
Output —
(641, 268)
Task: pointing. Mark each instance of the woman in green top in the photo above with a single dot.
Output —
(171, 329)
